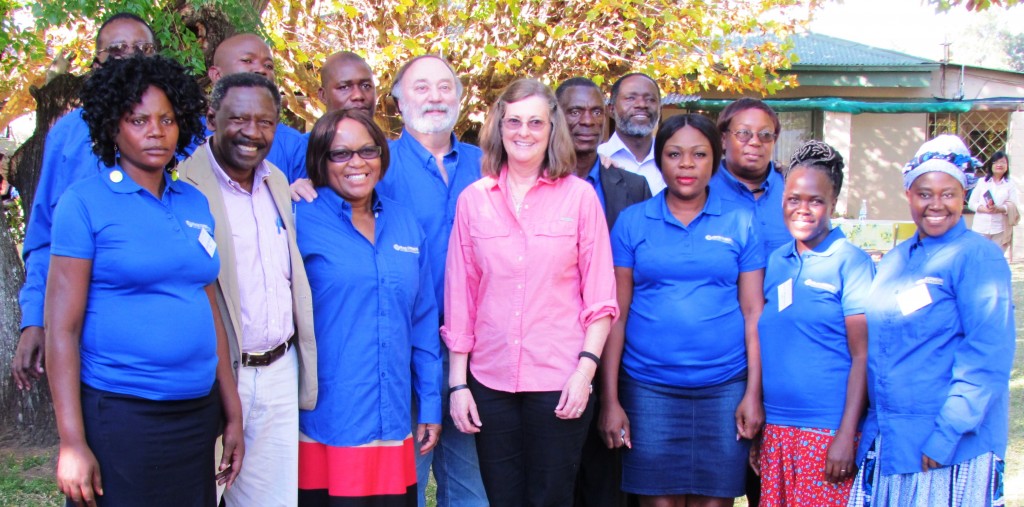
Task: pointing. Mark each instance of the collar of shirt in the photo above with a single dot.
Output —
(501, 182)
(407, 141)
(126, 185)
(262, 173)
(931, 244)
(828, 246)
(657, 209)
(341, 206)
(768, 185)
(594, 176)
(614, 145)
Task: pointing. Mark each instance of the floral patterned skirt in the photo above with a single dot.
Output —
(793, 468)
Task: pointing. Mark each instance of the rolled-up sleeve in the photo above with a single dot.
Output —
(461, 283)
(597, 274)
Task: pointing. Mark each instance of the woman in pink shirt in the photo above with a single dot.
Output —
(529, 301)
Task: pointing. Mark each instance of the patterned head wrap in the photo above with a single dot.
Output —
(947, 154)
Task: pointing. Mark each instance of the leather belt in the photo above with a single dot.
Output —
(267, 358)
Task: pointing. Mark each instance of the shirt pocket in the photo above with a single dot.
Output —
(557, 241)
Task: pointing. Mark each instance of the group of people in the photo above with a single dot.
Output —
(345, 313)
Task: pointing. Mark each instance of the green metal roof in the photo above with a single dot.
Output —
(816, 50)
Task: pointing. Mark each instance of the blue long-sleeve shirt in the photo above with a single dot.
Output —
(375, 319)
(941, 340)
(414, 181)
(67, 158)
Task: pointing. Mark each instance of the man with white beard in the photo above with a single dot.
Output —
(636, 109)
(429, 169)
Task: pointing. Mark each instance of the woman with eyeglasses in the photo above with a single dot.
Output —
(529, 300)
(375, 317)
(748, 176)
(681, 390)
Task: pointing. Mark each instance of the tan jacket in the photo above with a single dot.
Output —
(196, 170)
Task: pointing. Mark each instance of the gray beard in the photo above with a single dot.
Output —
(630, 128)
(419, 123)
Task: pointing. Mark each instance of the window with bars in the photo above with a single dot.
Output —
(985, 132)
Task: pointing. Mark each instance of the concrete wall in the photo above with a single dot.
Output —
(1015, 150)
(836, 131)
(879, 146)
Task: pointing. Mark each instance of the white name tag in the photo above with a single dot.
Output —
(785, 294)
(914, 299)
(207, 241)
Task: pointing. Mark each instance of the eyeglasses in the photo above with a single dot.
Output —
(123, 49)
(341, 156)
(744, 135)
(514, 124)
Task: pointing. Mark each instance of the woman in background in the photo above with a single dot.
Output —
(814, 330)
(995, 202)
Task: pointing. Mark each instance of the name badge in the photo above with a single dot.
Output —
(785, 294)
(208, 243)
(914, 299)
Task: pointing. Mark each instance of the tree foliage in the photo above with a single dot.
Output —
(688, 45)
(972, 5)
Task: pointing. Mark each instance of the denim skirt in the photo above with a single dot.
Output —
(684, 439)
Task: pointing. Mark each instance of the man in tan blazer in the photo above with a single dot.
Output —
(262, 290)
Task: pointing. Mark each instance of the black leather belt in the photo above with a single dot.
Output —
(267, 358)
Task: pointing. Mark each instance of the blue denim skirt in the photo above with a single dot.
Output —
(684, 440)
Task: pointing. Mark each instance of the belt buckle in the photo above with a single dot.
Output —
(259, 359)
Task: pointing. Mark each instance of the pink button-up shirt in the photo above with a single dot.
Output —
(520, 292)
(262, 261)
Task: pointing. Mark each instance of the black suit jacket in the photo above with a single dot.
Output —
(621, 189)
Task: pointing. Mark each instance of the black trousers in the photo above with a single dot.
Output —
(528, 456)
(153, 453)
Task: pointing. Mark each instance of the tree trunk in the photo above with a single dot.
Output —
(27, 416)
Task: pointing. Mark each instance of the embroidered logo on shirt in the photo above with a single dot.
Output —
(930, 280)
(821, 285)
(202, 227)
(720, 239)
(407, 249)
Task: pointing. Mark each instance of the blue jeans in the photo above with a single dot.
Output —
(454, 461)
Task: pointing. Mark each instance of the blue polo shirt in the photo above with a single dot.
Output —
(804, 345)
(594, 178)
(148, 328)
(767, 208)
(375, 320)
(941, 339)
(414, 181)
(67, 158)
(685, 327)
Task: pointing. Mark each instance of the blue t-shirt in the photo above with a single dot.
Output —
(941, 339)
(414, 182)
(375, 320)
(148, 328)
(767, 208)
(685, 327)
(804, 348)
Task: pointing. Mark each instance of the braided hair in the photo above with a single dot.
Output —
(820, 156)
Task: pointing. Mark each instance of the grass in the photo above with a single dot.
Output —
(26, 475)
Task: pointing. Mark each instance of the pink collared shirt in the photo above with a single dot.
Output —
(262, 262)
(520, 292)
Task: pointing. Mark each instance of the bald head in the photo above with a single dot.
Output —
(346, 82)
(242, 53)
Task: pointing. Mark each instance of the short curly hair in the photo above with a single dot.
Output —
(114, 89)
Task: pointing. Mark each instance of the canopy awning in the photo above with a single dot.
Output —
(843, 105)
